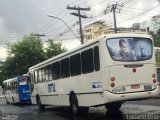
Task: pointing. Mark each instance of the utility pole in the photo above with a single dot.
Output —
(39, 35)
(114, 8)
(80, 16)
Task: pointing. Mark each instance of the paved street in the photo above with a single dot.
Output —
(31, 112)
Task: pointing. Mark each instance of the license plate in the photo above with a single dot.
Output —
(147, 87)
(135, 86)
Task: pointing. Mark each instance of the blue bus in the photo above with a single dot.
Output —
(17, 90)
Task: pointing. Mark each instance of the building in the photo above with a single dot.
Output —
(156, 23)
(146, 25)
(99, 28)
(130, 30)
(136, 25)
(95, 29)
(152, 25)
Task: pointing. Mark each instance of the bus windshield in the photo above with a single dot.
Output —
(23, 81)
(130, 49)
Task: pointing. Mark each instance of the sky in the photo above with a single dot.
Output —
(22, 17)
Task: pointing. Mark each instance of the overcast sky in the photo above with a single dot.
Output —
(21, 17)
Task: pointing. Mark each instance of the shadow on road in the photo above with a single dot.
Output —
(93, 116)
(63, 112)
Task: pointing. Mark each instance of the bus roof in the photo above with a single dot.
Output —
(103, 37)
(12, 79)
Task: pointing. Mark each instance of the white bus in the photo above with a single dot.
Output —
(10, 91)
(107, 71)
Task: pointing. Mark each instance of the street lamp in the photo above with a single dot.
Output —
(64, 23)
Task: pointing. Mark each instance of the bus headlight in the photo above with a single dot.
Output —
(119, 90)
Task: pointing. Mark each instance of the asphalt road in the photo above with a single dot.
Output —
(31, 112)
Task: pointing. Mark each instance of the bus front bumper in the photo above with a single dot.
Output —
(110, 97)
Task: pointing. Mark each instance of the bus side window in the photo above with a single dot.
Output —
(11, 86)
(65, 69)
(39, 75)
(46, 73)
(31, 78)
(14, 85)
(56, 70)
(50, 72)
(96, 58)
(87, 61)
(75, 64)
(8, 85)
(36, 76)
(43, 75)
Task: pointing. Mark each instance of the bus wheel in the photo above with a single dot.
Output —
(13, 99)
(74, 108)
(41, 107)
(115, 106)
(6, 101)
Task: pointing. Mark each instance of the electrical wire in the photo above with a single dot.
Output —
(140, 14)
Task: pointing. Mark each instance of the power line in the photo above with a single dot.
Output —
(44, 26)
(99, 16)
(47, 27)
(39, 30)
(136, 8)
(66, 31)
(91, 19)
(125, 2)
(142, 13)
(59, 27)
(74, 2)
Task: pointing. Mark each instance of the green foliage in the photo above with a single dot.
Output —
(22, 55)
(54, 49)
(26, 53)
(156, 39)
(158, 61)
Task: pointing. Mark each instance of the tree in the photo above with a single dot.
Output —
(22, 55)
(156, 39)
(54, 49)
(1, 75)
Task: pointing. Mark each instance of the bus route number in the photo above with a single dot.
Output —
(51, 87)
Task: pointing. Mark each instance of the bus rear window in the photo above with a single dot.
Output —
(130, 49)
(23, 81)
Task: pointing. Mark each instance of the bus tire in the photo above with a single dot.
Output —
(41, 107)
(13, 99)
(74, 107)
(115, 106)
(6, 100)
